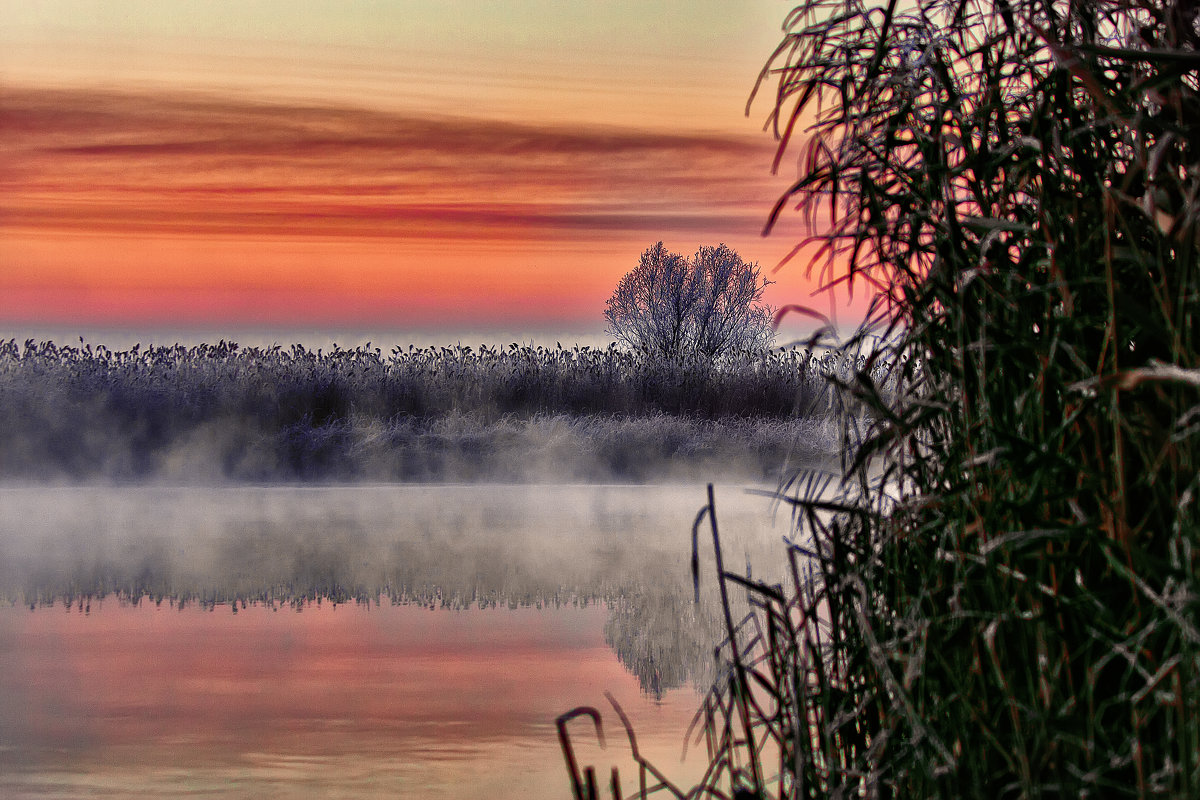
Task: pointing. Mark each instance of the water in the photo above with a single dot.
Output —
(471, 616)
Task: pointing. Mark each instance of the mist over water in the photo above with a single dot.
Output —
(225, 414)
(442, 546)
(288, 640)
(453, 560)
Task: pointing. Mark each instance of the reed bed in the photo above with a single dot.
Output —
(997, 594)
(221, 412)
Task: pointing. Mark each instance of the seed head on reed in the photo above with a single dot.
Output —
(997, 595)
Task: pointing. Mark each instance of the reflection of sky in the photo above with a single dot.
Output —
(353, 702)
(359, 163)
(439, 545)
(349, 701)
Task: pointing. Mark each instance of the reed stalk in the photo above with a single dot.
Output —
(997, 596)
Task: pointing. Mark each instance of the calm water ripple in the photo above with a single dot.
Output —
(469, 618)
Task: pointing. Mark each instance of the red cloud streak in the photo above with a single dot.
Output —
(131, 207)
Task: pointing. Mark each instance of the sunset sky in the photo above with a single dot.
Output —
(399, 163)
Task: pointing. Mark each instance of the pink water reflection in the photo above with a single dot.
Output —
(354, 702)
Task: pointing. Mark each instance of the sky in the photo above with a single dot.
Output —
(367, 163)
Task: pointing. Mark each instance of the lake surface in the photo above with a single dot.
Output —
(467, 618)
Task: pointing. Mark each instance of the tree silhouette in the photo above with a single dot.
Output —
(708, 305)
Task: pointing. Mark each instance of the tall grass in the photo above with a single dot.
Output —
(224, 412)
(999, 596)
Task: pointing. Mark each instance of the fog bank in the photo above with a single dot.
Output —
(442, 546)
(224, 414)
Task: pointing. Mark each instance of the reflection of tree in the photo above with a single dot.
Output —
(655, 629)
(466, 548)
(663, 638)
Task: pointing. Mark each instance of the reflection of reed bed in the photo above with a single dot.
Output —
(220, 412)
(446, 547)
(750, 720)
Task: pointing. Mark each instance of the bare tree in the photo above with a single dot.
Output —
(708, 305)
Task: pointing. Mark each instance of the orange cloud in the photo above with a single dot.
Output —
(210, 208)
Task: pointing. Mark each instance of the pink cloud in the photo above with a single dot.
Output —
(190, 163)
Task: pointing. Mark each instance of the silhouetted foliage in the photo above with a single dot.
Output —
(998, 595)
(669, 306)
